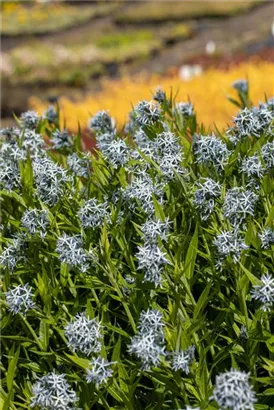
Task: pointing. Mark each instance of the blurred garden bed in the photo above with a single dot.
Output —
(71, 57)
(76, 61)
(148, 12)
(30, 18)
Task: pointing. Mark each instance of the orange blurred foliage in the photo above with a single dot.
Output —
(207, 92)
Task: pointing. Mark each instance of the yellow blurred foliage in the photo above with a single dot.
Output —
(207, 92)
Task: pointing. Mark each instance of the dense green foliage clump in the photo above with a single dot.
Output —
(139, 276)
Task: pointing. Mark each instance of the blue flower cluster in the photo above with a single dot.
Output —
(129, 253)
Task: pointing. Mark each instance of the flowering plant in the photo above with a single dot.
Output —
(140, 277)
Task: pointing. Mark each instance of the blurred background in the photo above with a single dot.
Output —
(94, 55)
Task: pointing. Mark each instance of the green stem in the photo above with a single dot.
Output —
(32, 332)
(121, 296)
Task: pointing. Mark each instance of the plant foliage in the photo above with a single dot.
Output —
(141, 276)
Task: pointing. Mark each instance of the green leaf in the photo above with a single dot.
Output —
(251, 277)
(202, 301)
(82, 363)
(123, 378)
(118, 395)
(269, 392)
(270, 364)
(64, 274)
(105, 241)
(44, 334)
(270, 216)
(158, 209)
(5, 400)
(233, 101)
(12, 369)
(116, 329)
(116, 351)
(15, 196)
(78, 138)
(191, 254)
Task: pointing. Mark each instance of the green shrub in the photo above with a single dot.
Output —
(138, 276)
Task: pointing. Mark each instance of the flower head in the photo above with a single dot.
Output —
(10, 178)
(50, 114)
(148, 343)
(50, 179)
(79, 166)
(238, 204)
(167, 143)
(143, 142)
(186, 109)
(10, 151)
(232, 391)
(20, 299)
(170, 165)
(13, 254)
(104, 140)
(61, 139)
(116, 152)
(159, 95)
(35, 221)
(204, 197)
(147, 348)
(267, 238)
(18, 147)
(142, 189)
(153, 229)
(252, 167)
(240, 85)
(72, 252)
(152, 260)
(29, 119)
(100, 371)
(33, 143)
(210, 150)
(10, 133)
(52, 392)
(147, 147)
(228, 243)
(250, 122)
(102, 123)
(150, 319)
(267, 153)
(264, 292)
(181, 360)
(147, 113)
(93, 213)
(84, 334)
